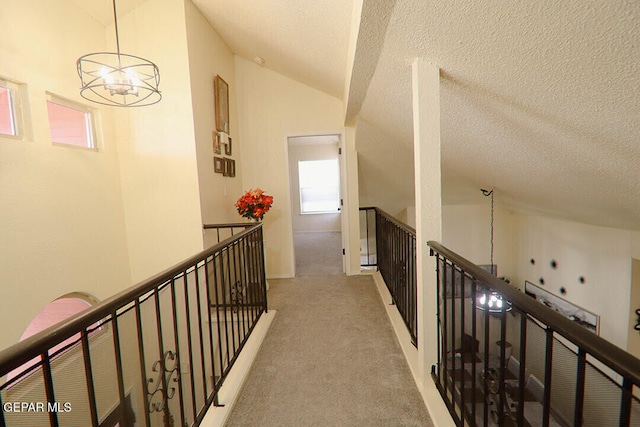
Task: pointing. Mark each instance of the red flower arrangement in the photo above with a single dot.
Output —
(254, 204)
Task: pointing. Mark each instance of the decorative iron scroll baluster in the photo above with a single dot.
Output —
(167, 373)
(238, 291)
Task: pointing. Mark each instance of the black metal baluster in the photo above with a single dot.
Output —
(445, 324)
(219, 353)
(223, 287)
(200, 333)
(454, 294)
(237, 306)
(462, 368)
(625, 404)
(486, 360)
(187, 307)
(501, 357)
(414, 291)
(439, 298)
(366, 228)
(231, 304)
(546, 411)
(263, 268)
(249, 267)
(163, 379)
(176, 343)
(124, 416)
(48, 386)
(242, 333)
(210, 328)
(580, 378)
(88, 374)
(253, 268)
(246, 268)
(141, 356)
(522, 368)
(474, 355)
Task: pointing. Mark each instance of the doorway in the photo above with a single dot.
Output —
(315, 180)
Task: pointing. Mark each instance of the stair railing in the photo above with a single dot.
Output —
(154, 354)
(506, 359)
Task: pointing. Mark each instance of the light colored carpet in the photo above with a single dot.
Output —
(318, 253)
(330, 359)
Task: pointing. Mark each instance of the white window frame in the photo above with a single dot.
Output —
(17, 90)
(90, 116)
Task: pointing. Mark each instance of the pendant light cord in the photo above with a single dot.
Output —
(115, 20)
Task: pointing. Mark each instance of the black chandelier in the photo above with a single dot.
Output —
(118, 79)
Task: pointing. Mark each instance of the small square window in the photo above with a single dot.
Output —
(70, 123)
(7, 111)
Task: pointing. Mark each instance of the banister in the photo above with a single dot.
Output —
(390, 218)
(228, 225)
(611, 355)
(20, 353)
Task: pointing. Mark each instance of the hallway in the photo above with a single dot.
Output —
(318, 253)
(330, 359)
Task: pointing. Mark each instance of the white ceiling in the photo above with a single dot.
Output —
(306, 40)
(540, 99)
(102, 10)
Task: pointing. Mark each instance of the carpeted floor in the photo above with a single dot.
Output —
(330, 359)
(318, 253)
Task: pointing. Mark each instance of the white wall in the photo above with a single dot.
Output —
(310, 222)
(466, 229)
(385, 170)
(601, 255)
(61, 221)
(272, 107)
(208, 56)
(156, 145)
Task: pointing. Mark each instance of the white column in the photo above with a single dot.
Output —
(426, 143)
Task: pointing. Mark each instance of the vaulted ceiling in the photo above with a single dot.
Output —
(540, 99)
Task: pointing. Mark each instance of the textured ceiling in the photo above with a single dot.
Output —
(306, 40)
(539, 100)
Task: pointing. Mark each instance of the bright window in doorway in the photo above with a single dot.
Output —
(319, 186)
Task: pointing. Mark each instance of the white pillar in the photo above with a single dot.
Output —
(426, 145)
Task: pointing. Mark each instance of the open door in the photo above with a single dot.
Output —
(315, 177)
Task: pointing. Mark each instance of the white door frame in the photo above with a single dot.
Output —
(344, 218)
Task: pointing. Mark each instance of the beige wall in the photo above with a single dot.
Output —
(156, 146)
(61, 221)
(208, 56)
(272, 107)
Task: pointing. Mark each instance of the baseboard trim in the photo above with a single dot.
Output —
(438, 411)
(404, 338)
